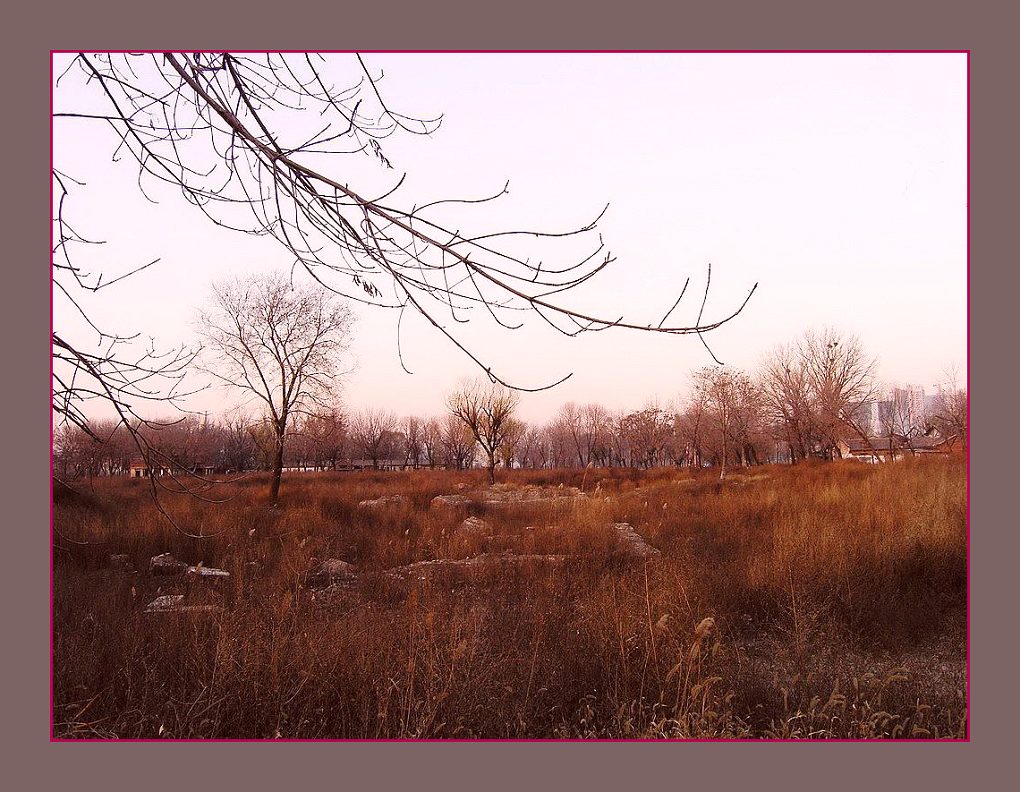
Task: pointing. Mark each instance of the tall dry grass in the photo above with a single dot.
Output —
(836, 594)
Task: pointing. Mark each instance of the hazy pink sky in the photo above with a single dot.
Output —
(837, 182)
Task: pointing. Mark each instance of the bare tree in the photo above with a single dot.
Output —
(949, 410)
(279, 344)
(514, 438)
(317, 441)
(486, 410)
(375, 435)
(559, 445)
(646, 434)
(690, 427)
(817, 391)
(587, 427)
(332, 432)
(716, 389)
(749, 417)
(842, 381)
(431, 441)
(86, 453)
(597, 421)
(238, 448)
(620, 453)
(458, 443)
(733, 413)
(414, 430)
(568, 423)
(526, 451)
(786, 389)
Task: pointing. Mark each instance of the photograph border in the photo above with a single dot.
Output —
(942, 27)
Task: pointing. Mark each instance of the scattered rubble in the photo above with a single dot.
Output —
(385, 500)
(342, 591)
(633, 545)
(334, 580)
(507, 495)
(165, 603)
(474, 526)
(166, 564)
(207, 572)
(421, 570)
(330, 572)
(454, 501)
(174, 603)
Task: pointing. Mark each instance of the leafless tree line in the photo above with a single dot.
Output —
(805, 398)
(328, 440)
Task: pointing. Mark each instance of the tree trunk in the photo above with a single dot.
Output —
(274, 491)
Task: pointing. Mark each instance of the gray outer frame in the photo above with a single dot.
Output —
(33, 762)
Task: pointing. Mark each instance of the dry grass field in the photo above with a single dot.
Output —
(814, 601)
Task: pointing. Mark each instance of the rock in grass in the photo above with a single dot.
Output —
(174, 603)
(450, 501)
(166, 564)
(343, 591)
(508, 495)
(205, 572)
(633, 545)
(385, 500)
(468, 567)
(330, 572)
(167, 602)
(473, 526)
(120, 561)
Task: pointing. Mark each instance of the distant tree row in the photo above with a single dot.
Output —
(806, 398)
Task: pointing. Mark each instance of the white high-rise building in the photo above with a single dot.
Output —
(899, 409)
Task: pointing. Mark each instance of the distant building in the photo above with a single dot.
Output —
(894, 447)
(139, 468)
(901, 409)
(382, 464)
(348, 465)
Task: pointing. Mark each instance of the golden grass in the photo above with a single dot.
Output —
(823, 600)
